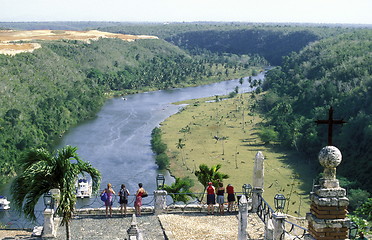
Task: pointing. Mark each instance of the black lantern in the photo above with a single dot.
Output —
(279, 201)
(160, 180)
(247, 190)
(48, 200)
(353, 230)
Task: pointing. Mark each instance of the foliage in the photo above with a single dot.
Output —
(362, 223)
(206, 175)
(332, 72)
(160, 148)
(365, 210)
(180, 189)
(42, 171)
(268, 134)
(357, 197)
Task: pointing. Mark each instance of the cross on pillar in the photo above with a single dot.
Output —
(330, 121)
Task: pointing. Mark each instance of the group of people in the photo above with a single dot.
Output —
(123, 199)
(220, 191)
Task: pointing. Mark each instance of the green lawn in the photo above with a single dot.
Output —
(199, 123)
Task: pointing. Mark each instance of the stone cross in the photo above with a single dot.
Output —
(330, 121)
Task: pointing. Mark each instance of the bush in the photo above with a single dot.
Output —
(268, 135)
(162, 161)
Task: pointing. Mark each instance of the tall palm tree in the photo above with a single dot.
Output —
(181, 145)
(206, 175)
(42, 171)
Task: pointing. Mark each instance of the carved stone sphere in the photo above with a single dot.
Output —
(330, 157)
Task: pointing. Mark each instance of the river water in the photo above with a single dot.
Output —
(117, 140)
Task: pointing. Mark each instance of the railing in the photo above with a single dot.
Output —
(295, 231)
(11, 219)
(264, 211)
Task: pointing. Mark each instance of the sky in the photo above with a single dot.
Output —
(283, 11)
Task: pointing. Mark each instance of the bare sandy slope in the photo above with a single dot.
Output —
(9, 39)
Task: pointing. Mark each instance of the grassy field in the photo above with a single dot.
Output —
(201, 120)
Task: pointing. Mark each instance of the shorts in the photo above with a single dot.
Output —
(211, 199)
(123, 201)
(231, 197)
(220, 199)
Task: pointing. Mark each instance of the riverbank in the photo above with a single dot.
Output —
(226, 133)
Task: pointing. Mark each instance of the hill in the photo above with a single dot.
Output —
(332, 72)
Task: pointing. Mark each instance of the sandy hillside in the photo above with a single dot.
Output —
(9, 38)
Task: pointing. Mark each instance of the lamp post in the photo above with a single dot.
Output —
(247, 190)
(160, 180)
(353, 230)
(48, 200)
(279, 201)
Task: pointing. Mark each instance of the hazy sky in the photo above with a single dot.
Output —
(311, 11)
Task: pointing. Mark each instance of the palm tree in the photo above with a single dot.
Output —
(206, 175)
(180, 189)
(42, 171)
(181, 145)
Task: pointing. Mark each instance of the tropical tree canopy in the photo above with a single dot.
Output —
(180, 189)
(42, 171)
(206, 174)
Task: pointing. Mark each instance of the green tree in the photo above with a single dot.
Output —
(180, 189)
(42, 171)
(268, 135)
(206, 175)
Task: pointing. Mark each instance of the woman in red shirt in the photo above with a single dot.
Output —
(230, 197)
(211, 198)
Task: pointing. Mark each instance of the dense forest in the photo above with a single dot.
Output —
(46, 92)
(333, 72)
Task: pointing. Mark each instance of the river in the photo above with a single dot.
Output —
(117, 140)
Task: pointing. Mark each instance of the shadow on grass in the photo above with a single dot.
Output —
(305, 167)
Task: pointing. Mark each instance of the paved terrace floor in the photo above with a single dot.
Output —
(172, 226)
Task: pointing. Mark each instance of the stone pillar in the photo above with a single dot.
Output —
(256, 193)
(327, 217)
(258, 180)
(160, 201)
(133, 232)
(243, 218)
(278, 222)
(49, 230)
(258, 171)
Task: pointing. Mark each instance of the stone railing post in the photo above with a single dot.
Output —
(133, 232)
(49, 230)
(258, 180)
(243, 218)
(256, 193)
(278, 222)
(160, 201)
(328, 209)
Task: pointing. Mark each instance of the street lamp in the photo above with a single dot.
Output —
(247, 190)
(160, 180)
(48, 200)
(279, 201)
(353, 230)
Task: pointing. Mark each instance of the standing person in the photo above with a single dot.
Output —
(108, 203)
(230, 197)
(138, 202)
(220, 197)
(123, 193)
(211, 198)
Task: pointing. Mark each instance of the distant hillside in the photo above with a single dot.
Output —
(332, 72)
